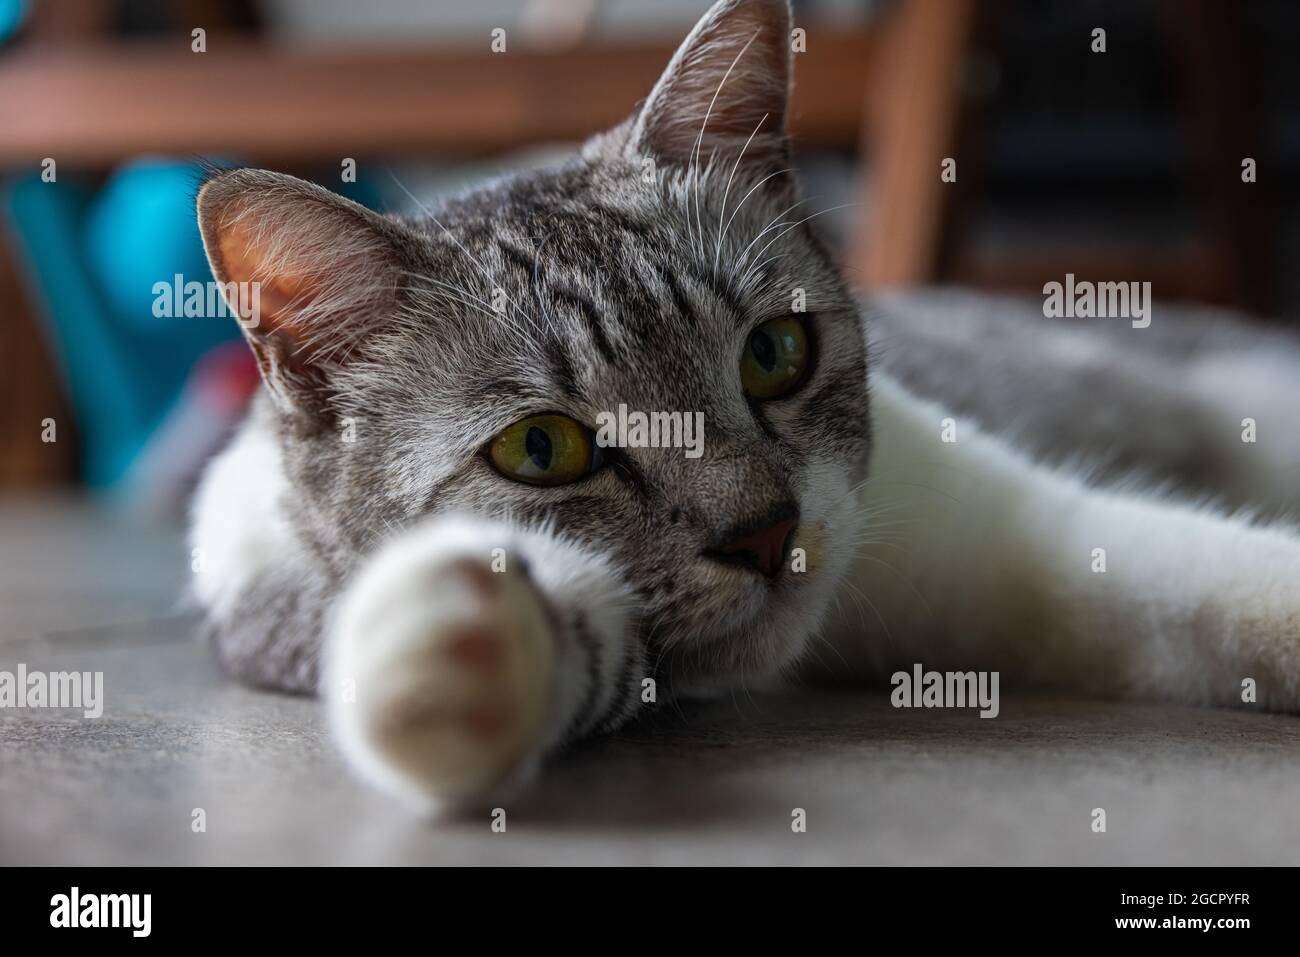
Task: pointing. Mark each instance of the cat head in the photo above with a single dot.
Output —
(470, 359)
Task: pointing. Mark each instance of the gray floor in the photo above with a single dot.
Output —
(83, 589)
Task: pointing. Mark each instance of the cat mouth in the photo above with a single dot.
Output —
(747, 588)
(748, 565)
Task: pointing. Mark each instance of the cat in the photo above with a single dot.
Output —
(1167, 405)
(415, 522)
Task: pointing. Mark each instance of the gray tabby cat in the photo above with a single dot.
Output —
(416, 521)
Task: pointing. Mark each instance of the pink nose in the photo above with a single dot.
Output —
(763, 549)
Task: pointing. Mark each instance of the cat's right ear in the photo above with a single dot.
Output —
(308, 274)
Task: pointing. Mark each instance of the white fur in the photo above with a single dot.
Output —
(237, 527)
(1259, 384)
(394, 694)
(988, 564)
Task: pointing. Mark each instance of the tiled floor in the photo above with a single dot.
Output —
(81, 589)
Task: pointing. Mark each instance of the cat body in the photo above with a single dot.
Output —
(1174, 405)
(394, 526)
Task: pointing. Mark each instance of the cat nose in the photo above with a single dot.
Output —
(762, 546)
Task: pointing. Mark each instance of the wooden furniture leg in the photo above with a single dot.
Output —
(913, 115)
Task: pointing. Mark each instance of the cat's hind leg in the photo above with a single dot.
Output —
(1005, 566)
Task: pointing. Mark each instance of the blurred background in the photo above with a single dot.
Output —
(1126, 164)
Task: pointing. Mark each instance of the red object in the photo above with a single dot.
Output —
(226, 377)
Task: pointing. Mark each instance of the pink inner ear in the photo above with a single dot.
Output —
(281, 298)
(323, 270)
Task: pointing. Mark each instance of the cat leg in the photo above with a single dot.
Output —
(449, 676)
(984, 561)
(467, 650)
(1191, 606)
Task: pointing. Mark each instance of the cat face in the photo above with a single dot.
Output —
(664, 270)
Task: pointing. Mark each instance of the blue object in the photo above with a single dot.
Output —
(141, 230)
(94, 264)
(95, 260)
(12, 14)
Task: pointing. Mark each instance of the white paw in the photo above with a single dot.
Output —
(440, 669)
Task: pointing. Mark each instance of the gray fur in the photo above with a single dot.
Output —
(1122, 403)
(621, 287)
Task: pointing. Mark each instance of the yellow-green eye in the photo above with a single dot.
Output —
(775, 358)
(543, 450)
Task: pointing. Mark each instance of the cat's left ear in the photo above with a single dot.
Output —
(725, 91)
